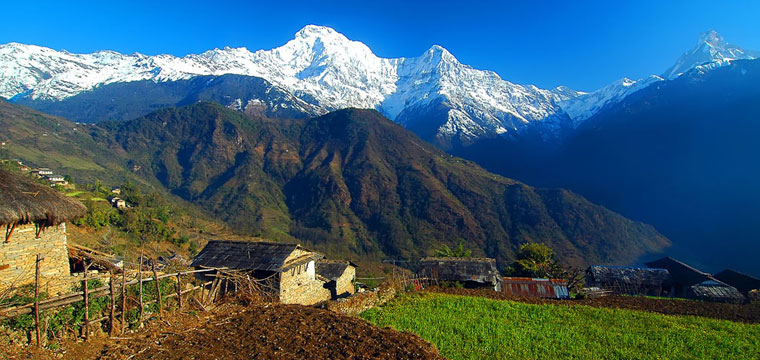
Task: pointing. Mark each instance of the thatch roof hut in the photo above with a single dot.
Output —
(627, 280)
(471, 272)
(23, 201)
(34, 217)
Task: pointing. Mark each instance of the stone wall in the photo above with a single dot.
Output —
(345, 283)
(299, 285)
(18, 255)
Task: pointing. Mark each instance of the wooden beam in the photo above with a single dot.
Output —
(9, 231)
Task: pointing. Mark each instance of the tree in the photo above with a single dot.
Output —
(534, 260)
(459, 251)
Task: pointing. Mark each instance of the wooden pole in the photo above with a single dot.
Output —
(123, 297)
(158, 288)
(86, 307)
(37, 298)
(139, 275)
(179, 291)
(113, 307)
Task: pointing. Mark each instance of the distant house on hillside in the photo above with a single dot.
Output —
(41, 172)
(290, 267)
(624, 280)
(118, 203)
(741, 282)
(33, 217)
(340, 275)
(470, 272)
(688, 282)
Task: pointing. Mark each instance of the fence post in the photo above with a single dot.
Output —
(139, 275)
(37, 298)
(158, 288)
(123, 297)
(113, 306)
(179, 292)
(86, 307)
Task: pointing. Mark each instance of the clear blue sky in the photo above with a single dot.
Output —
(580, 44)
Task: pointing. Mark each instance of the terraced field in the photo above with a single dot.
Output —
(464, 327)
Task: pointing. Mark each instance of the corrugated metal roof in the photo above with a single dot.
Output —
(536, 287)
(260, 255)
(713, 290)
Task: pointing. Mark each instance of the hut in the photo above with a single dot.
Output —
(34, 217)
(741, 282)
(470, 272)
(340, 275)
(290, 268)
(688, 282)
(623, 280)
(536, 287)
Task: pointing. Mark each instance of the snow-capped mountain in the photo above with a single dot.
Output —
(434, 94)
(711, 51)
(319, 65)
(583, 107)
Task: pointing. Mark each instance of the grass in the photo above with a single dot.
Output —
(477, 328)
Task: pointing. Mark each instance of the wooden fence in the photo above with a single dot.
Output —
(111, 291)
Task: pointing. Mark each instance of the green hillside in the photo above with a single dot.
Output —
(353, 182)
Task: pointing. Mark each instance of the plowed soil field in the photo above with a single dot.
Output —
(272, 331)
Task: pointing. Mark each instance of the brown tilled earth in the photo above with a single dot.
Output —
(733, 312)
(274, 331)
(266, 331)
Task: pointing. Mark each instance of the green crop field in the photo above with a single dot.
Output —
(477, 328)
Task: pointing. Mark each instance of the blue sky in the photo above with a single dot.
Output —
(580, 44)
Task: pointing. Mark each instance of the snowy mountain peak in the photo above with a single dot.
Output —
(311, 31)
(711, 50)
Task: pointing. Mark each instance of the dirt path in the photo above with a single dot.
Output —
(733, 312)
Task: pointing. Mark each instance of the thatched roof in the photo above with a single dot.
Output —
(23, 201)
(599, 274)
(481, 270)
(242, 255)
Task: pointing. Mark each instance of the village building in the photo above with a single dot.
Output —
(741, 282)
(623, 280)
(42, 172)
(289, 269)
(116, 190)
(470, 272)
(688, 282)
(340, 275)
(33, 217)
(56, 180)
(118, 203)
(536, 287)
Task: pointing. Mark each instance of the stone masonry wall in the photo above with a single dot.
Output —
(300, 286)
(18, 255)
(345, 283)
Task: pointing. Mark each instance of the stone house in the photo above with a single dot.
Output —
(340, 275)
(742, 282)
(290, 267)
(470, 272)
(33, 217)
